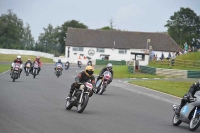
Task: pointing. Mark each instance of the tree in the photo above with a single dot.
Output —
(12, 32)
(184, 26)
(62, 34)
(53, 39)
(28, 40)
(107, 28)
(111, 27)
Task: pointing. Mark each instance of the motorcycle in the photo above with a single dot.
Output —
(28, 65)
(80, 97)
(15, 72)
(66, 66)
(79, 64)
(103, 82)
(58, 70)
(89, 63)
(190, 113)
(35, 69)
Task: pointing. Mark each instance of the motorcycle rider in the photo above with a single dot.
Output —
(89, 63)
(190, 94)
(28, 61)
(67, 64)
(17, 60)
(79, 63)
(83, 77)
(39, 63)
(59, 62)
(107, 68)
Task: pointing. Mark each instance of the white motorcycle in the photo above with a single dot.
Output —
(190, 113)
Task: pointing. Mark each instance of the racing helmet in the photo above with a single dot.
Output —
(109, 66)
(59, 60)
(19, 58)
(38, 58)
(89, 70)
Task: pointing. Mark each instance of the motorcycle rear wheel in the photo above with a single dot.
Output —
(194, 123)
(81, 106)
(176, 121)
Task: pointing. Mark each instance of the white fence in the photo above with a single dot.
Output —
(36, 53)
(26, 52)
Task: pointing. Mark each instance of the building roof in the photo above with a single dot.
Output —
(119, 39)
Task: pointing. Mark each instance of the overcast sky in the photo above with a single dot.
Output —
(131, 15)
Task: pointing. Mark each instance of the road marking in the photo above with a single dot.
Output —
(146, 93)
(4, 72)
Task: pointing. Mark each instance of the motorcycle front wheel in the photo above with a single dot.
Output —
(13, 77)
(176, 121)
(68, 104)
(81, 106)
(102, 89)
(194, 123)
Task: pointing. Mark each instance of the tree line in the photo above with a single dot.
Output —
(183, 26)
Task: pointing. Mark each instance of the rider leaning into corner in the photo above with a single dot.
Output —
(39, 63)
(107, 68)
(83, 77)
(19, 61)
(193, 89)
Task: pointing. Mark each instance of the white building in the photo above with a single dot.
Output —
(116, 45)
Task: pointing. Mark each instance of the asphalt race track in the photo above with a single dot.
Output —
(37, 105)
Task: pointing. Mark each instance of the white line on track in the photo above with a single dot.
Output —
(4, 72)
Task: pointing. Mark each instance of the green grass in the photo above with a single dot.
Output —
(4, 68)
(195, 56)
(176, 88)
(11, 57)
(122, 72)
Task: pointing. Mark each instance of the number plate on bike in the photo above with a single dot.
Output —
(88, 85)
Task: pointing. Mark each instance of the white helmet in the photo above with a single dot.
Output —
(18, 57)
(109, 66)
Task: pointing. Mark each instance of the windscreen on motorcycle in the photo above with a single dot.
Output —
(36, 65)
(107, 75)
(28, 65)
(59, 65)
(16, 66)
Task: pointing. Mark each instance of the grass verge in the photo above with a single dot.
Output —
(122, 72)
(11, 57)
(176, 88)
(4, 68)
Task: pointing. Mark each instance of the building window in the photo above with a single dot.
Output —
(77, 48)
(100, 50)
(122, 51)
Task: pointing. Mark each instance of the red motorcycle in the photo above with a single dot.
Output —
(103, 82)
(15, 71)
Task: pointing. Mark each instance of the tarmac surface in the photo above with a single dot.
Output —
(38, 106)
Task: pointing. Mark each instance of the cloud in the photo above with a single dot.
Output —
(128, 12)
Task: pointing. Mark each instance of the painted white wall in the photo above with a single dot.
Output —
(114, 55)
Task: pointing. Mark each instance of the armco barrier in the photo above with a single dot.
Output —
(147, 69)
(131, 69)
(193, 74)
(170, 72)
(105, 62)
